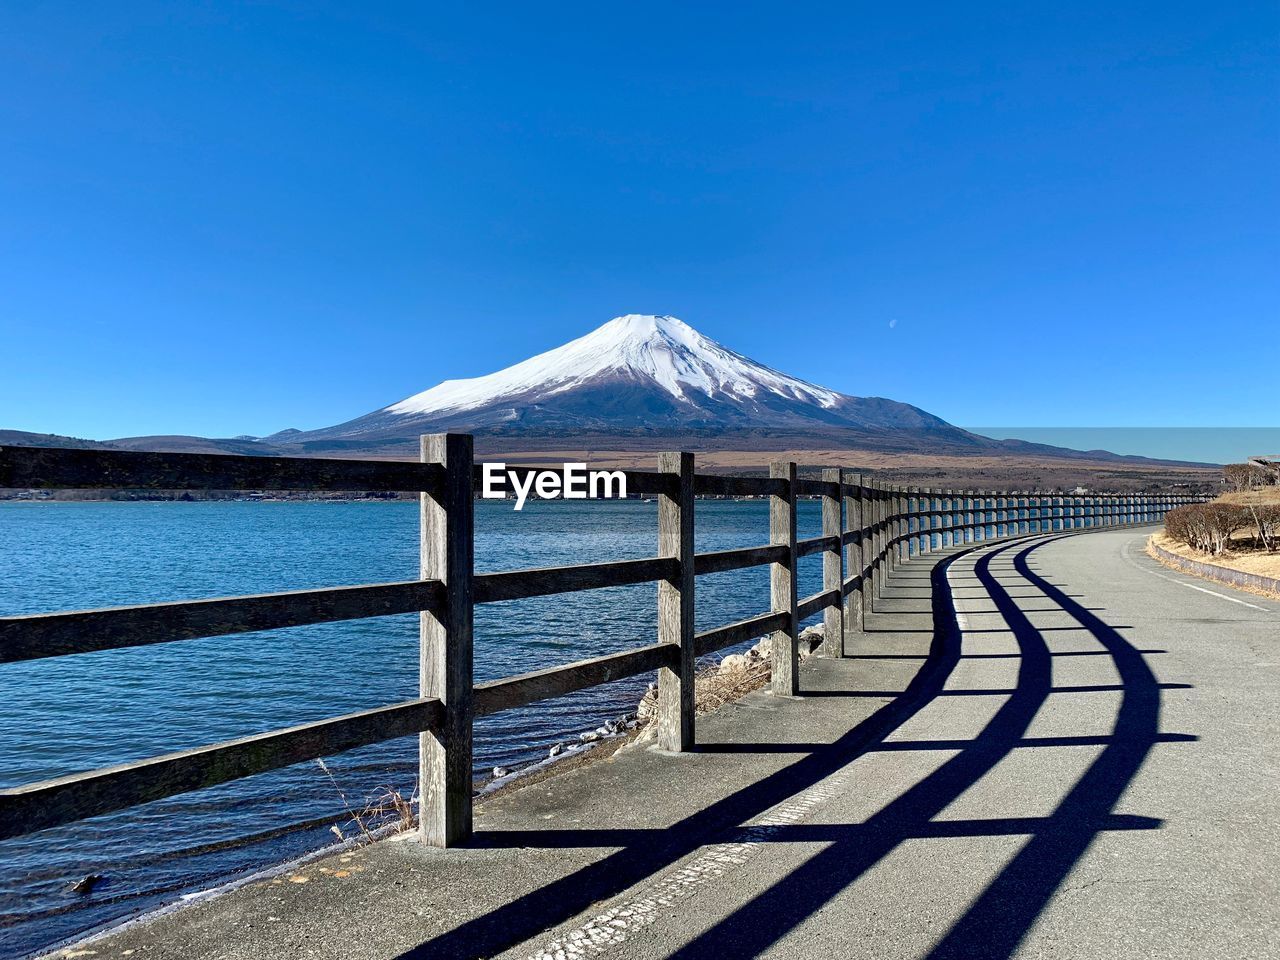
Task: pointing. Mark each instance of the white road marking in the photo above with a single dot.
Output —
(613, 926)
(1124, 552)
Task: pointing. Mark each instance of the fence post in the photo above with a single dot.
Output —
(446, 553)
(928, 521)
(883, 515)
(897, 509)
(903, 527)
(853, 557)
(914, 548)
(676, 706)
(891, 516)
(833, 566)
(784, 652)
(871, 551)
(871, 540)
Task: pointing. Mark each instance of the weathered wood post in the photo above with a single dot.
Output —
(854, 554)
(784, 652)
(871, 553)
(883, 537)
(676, 706)
(892, 515)
(871, 517)
(904, 523)
(908, 525)
(897, 529)
(883, 513)
(938, 538)
(916, 545)
(930, 521)
(446, 553)
(833, 566)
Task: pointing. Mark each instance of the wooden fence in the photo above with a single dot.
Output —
(867, 529)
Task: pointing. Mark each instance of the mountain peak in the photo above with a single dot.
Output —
(663, 351)
(644, 327)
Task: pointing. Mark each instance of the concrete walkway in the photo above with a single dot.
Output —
(1079, 760)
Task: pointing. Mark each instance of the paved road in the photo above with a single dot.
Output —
(1096, 777)
(1079, 761)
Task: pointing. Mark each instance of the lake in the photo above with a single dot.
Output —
(75, 713)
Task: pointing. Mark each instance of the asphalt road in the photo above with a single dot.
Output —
(1077, 756)
(1096, 777)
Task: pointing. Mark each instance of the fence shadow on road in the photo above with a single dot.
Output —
(996, 921)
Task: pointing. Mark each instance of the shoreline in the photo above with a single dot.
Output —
(571, 758)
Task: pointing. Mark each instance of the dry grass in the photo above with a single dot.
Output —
(1263, 564)
(714, 687)
(387, 812)
(1260, 497)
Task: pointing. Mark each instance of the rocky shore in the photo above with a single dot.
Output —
(718, 682)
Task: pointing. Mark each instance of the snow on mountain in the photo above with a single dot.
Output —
(668, 351)
(635, 374)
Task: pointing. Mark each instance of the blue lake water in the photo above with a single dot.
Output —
(69, 714)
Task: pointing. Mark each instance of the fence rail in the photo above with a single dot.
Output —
(867, 530)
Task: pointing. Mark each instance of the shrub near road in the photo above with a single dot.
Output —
(1240, 530)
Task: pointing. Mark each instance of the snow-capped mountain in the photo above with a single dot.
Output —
(663, 350)
(636, 373)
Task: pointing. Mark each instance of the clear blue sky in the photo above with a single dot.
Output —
(225, 218)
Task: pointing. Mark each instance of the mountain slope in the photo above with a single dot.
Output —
(635, 374)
